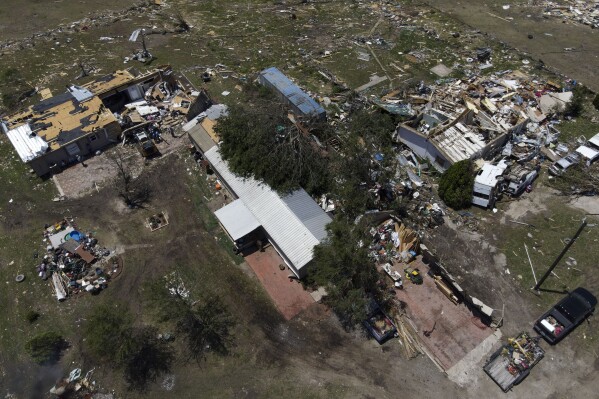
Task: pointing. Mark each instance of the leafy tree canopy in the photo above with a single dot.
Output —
(45, 347)
(455, 185)
(342, 265)
(263, 143)
(206, 325)
(106, 328)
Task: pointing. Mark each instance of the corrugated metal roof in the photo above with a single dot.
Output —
(28, 145)
(292, 222)
(237, 219)
(308, 211)
(292, 92)
(201, 138)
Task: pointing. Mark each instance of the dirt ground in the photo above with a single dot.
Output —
(310, 356)
(550, 35)
(484, 262)
(20, 18)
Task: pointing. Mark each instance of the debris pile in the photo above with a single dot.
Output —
(77, 386)
(75, 262)
(392, 242)
(584, 12)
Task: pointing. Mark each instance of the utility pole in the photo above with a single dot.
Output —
(143, 42)
(561, 255)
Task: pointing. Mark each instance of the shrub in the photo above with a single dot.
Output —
(45, 347)
(32, 316)
(105, 329)
(576, 105)
(455, 185)
(596, 102)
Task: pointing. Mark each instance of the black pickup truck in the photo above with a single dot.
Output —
(560, 320)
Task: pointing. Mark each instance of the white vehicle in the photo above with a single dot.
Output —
(519, 178)
(485, 189)
(590, 150)
(560, 166)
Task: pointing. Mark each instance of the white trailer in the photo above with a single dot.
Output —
(486, 182)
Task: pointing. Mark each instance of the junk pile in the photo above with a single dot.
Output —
(392, 248)
(406, 332)
(521, 352)
(506, 117)
(392, 242)
(511, 363)
(157, 221)
(75, 262)
(75, 385)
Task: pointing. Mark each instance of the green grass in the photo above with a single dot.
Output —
(572, 130)
(545, 241)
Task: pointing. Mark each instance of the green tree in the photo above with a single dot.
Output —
(144, 357)
(576, 105)
(341, 264)
(32, 316)
(596, 102)
(355, 171)
(455, 185)
(207, 329)
(105, 330)
(45, 347)
(267, 146)
(204, 324)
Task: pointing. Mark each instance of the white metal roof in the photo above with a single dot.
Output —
(489, 173)
(237, 219)
(294, 223)
(588, 152)
(459, 142)
(595, 140)
(29, 146)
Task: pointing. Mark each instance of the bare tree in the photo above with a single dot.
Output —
(133, 190)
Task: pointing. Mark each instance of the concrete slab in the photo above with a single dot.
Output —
(79, 179)
(454, 330)
(441, 70)
(467, 370)
(288, 295)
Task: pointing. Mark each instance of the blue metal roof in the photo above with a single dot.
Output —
(294, 94)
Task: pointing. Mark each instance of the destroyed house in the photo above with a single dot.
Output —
(445, 133)
(294, 224)
(130, 86)
(65, 128)
(300, 102)
(56, 131)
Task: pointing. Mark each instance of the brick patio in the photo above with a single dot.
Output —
(456, 332)
(289, 297)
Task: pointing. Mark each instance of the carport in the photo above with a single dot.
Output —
(237, 220)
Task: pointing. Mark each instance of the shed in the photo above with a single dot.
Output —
(300, 102)
(199, 136)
